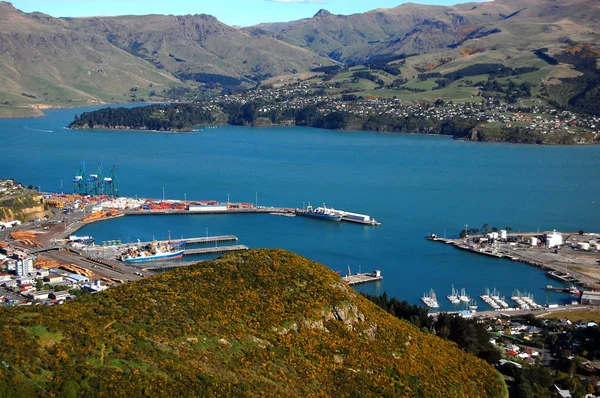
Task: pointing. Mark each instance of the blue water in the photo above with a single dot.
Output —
(414, 185)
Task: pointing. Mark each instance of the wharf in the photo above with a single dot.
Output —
(368, 222)
(362, 278)
(167, 267)
(212, 250)
(566, 264)
(195, 241)
(561, 276)
(169, 212)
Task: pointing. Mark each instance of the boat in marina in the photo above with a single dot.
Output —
(463, 296)
(430, 299)
(154, 251)
(496, 298)
(487, 298)
(472, 305)
(453, 297)
(322, 213)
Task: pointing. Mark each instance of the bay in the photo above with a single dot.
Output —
(414, 185)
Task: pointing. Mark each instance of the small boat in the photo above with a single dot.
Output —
(430, 299)
(453, 298)
(472, 305)
(463, 296)
(573, 290)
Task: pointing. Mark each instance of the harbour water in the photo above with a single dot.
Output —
(414, 185)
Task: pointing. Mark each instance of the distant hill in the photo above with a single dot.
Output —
(46, 61)
(261, 323)
(519, 25)
(82, 61)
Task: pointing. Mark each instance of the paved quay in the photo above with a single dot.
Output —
(565, 261)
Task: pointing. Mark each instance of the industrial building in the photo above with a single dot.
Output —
(553, 239)
(590, 298)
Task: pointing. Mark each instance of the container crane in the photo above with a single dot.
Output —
(111, 183)
(95, 181)
(79, 181)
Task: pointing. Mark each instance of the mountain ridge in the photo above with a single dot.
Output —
(84, 61)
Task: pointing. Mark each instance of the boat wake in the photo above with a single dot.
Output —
(40, 130)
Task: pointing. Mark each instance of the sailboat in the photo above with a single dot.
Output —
(463, 295)
(472, 305)
(453, 298)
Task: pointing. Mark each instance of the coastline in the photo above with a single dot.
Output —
(412, 133)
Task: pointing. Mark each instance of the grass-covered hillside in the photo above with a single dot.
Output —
(261, 323)
(19, 203)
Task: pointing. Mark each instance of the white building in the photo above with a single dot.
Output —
(24, 267)
(42, 272)
(554, 239)
(95, 287)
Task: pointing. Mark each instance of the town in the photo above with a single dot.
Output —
(541, 119)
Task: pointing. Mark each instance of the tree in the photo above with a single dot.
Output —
(485, 228)
(39, 285)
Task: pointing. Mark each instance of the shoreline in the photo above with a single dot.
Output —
(195, 128)
(455, 138)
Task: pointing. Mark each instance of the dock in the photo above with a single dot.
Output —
(195, 241)
(562, 263)
(363, 278)
(170, 212)
(561, 276)
(213, 250)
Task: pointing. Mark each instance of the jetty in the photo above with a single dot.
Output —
(213, 250)
(170, 212)
(194, 241)
(362, 277)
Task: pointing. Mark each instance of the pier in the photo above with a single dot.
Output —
(363, 278)
(195, 241)
(212, 250)
(170, 212)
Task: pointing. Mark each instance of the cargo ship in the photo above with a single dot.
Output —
(154, 251)
(322, 213)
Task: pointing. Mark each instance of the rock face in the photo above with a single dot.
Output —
(260, 323)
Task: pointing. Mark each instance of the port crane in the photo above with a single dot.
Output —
(79, 181)
(111, 183)
(95, 181)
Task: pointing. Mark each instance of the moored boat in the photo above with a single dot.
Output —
(322, 213)
(154, 251)
(430, 299)
(453, 297)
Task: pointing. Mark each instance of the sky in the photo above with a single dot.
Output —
(231, 12)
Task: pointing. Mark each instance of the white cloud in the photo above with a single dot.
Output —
(300, 1)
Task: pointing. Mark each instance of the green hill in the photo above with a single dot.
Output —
(49, 62)
(514, 25)
(261, 323)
